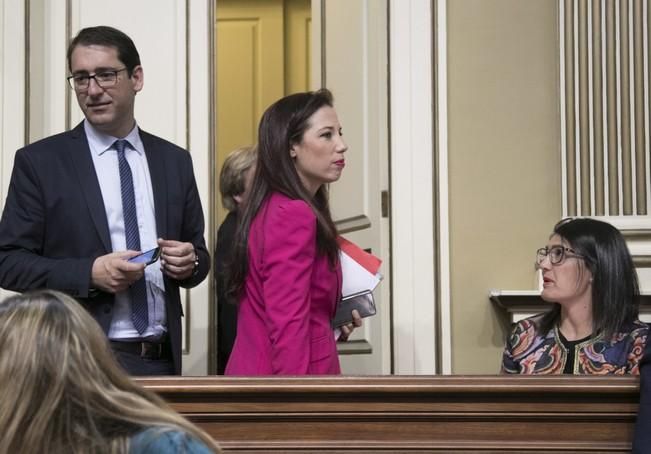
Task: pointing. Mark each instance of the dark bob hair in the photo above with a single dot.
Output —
(615, 289)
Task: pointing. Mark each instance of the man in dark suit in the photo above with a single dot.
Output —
(83, 202)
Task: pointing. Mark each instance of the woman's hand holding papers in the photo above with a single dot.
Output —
(347, 330)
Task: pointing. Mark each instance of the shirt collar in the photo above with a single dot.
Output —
(100, 143)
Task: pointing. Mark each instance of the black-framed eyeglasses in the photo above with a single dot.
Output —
(104, 78)
(557, 254)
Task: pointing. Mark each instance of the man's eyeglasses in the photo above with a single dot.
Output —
(104, 79)
(556, 254)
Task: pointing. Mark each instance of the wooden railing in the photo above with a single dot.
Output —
(409, 414)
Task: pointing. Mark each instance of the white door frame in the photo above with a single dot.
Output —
(419, 197)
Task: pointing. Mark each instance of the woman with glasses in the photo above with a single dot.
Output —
(593, 327)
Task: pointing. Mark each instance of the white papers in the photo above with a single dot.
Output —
(359, 278)
(356, 278)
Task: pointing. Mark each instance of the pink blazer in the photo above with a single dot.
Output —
(289, 297)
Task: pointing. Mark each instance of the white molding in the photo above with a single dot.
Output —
(13, 80)
(412, 186)
(442, 187)
(604, 97)
(591, 114)
(317, 31)
(577, 109)
(562, 81)
(181, 77)
(631, 111)
(618, 84)
(647, 151)
(200, 129)
(55, 89)
(627, 222)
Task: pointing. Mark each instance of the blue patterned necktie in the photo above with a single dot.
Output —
(138, 290)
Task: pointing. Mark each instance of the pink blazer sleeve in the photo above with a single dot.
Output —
(287, 262)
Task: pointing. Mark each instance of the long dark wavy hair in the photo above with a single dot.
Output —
(282, 125)
(615, 289)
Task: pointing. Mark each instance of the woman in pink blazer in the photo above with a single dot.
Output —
(285, 272)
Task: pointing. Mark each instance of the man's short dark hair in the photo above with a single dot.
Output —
(103, 35)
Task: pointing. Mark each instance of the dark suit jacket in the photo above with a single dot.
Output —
(642, 435)
(54, 223)
(226, 310)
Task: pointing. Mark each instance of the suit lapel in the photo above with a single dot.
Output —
(159, 183)
(85, 169)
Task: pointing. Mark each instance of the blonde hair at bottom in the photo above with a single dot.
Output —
(62, 390)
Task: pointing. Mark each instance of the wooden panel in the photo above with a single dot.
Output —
(298, 43)
(237, 81)
(409, 414)
(249, 59)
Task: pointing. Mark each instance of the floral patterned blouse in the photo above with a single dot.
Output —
(528, 352)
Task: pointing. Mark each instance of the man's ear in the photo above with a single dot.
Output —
(137, 78)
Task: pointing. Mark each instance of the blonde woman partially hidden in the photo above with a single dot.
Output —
(63, 392)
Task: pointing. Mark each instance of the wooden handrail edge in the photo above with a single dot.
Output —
(396, 384)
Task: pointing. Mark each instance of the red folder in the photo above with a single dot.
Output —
(370, 262)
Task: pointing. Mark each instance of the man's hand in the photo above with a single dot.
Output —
(177, 259)
(112, 273)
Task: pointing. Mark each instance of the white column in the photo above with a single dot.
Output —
(201, 123)
(13, 84)
(414, 192)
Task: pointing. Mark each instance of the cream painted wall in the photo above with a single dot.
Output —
(504, 187)
(504, 161)
(12, 87)
(175, 103)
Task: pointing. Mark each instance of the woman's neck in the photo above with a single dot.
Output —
(576, 319)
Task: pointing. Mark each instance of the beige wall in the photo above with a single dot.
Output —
(504, 154)
(36, 101)
(504, 161)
